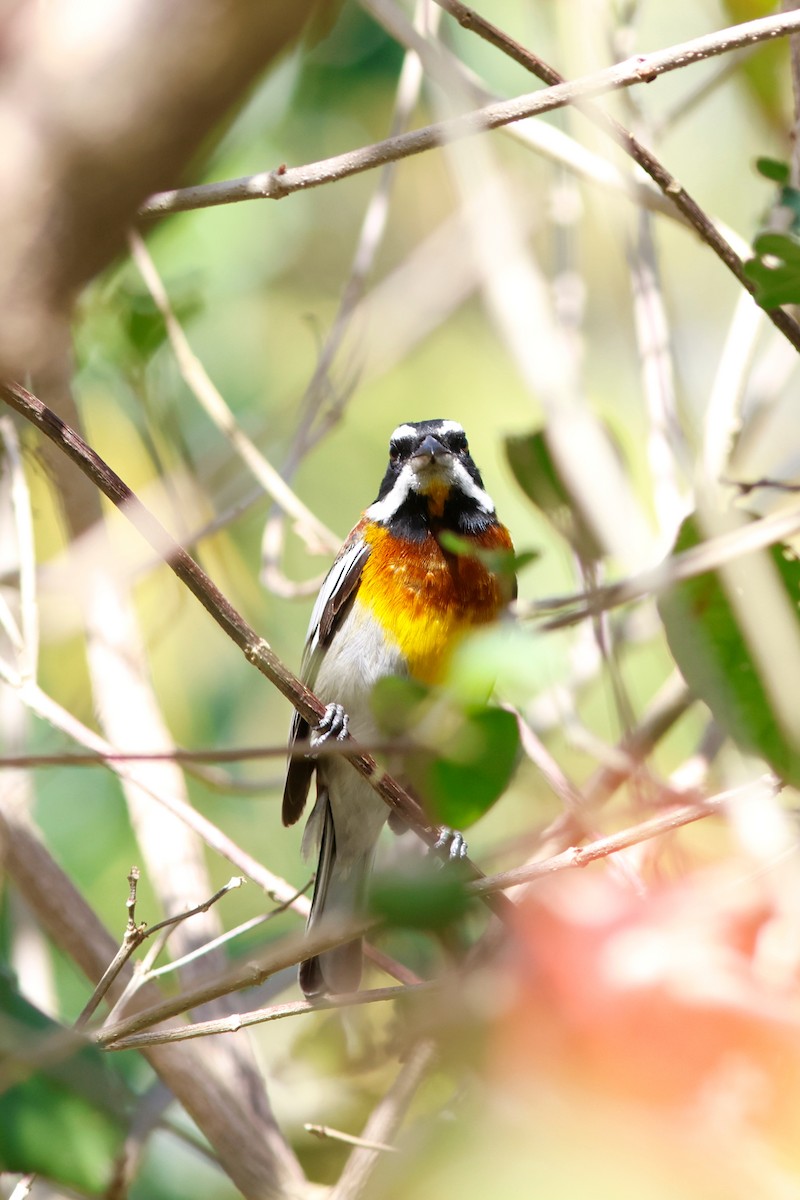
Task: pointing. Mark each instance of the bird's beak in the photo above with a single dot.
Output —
(429, 451)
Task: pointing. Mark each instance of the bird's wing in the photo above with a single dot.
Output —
(332, 605)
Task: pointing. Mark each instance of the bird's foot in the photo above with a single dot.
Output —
(333, 725)
(450, 844)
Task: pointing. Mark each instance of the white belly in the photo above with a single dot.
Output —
(356, 659)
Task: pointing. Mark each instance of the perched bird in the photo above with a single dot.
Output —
(395, 602)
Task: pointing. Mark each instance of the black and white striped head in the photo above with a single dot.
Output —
(431, 478)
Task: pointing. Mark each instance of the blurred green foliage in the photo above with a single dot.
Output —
(717, 661)
(63, 1103)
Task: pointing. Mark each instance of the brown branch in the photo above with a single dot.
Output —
(669, 185)
(708, 556)
(581, 856)
(283, 181)
(273, 958)
(262, 1016)
(384, 1123)
(255, 649)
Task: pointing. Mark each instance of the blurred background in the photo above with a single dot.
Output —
(636, 1032)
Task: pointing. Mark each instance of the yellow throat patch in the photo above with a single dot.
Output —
(426, 599)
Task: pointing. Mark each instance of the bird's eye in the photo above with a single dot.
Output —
(458, 441)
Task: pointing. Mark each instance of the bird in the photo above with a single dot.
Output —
(396, 602)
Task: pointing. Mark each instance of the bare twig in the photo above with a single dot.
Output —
(222, 1112)
(734, 544)
(274, 185)
(671, 188)
(133, 937)
(299, 749)
(337, 1135)
(273, 958)
(46, 708)
(384, 1123)
(136, 934)
(581, 856)
(317, 536)
(261, 1016)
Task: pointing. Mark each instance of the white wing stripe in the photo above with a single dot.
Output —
(330, 586)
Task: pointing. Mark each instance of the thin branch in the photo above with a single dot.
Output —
(318, 538)
(273, 958)
(581, 856)
(262, 1016)
(28, 650)
(384, 1123)
(670, 187)
(136, 934)
(755, 535)
(224, 1114)
(274, 185)
(256, 650)
(299, 749)
(338, 1135)
(48, 710)
(228, 936)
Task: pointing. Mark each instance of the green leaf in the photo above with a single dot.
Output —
(775, 271)
(789, 197)
(774, 169)
(463, 756)
(62, 1110)
(516, 662)
(140, 318)
(716, 661)
(423, 899)
(500, 562)
(397, 703)
(537, 474)
(472, 769)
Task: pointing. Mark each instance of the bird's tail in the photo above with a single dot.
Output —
(337, 890)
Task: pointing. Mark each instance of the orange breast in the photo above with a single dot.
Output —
(426, 599)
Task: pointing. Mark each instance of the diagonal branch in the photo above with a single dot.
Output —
(317, 536)
(283, 180)
(671, 188)
(255, 649)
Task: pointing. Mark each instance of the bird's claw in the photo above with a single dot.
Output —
(450, 844)
(333, 725)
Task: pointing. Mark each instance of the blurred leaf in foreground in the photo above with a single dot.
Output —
(464, 756)
(427, 898)
(62, 1107)
(716, 662)
(537, 474)
(775, 271)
